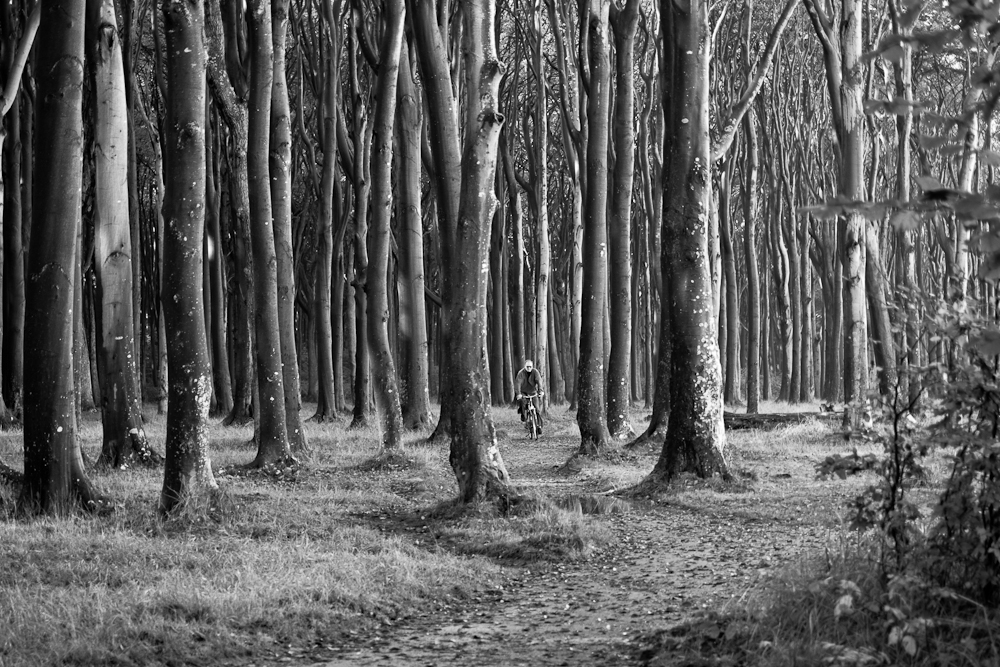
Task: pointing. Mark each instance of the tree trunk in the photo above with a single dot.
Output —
(187, 473)
(413, 322)
(731, 392)
(124, 437)
(382, 363)
(475, 456)
(221, 375)
(54, 477)
(625, 24)
(750, 261)
(696, 436)
(444, 139)
(280, 163)
(591, 414)
(270, 424)
(327, 252)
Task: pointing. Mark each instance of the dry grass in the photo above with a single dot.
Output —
(285, 567)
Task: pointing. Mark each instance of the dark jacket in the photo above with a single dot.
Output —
(528, 383)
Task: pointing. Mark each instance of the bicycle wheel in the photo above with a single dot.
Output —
(532, 425)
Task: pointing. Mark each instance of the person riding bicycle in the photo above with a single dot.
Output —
(528, 383)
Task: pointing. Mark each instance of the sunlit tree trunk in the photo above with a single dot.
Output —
(750, 169)
(54, 477)
(124, 437)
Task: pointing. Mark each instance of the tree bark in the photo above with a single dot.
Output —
(382, 364)
(696, 436)
(475, 456)
(750, 171)
(124, 438)
(187, 474)
(280, 164)
(413, 322)
(54, 477)
(591, 414)
(625, 23)
(273, 446)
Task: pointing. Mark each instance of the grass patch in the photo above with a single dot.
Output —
(280, 567)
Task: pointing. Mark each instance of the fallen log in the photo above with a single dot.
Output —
(770, 421)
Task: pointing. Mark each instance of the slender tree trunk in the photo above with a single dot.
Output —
(270, 422)
(417, 400)
(443, 136)
(750, 260)
(124, 437)
(234, 110)
(54, 477)
(327, 252)
(853, 229)
(382, 363)
(625, 24)
(591, 414)
(731, 392)
(217, 280)
(280, 163)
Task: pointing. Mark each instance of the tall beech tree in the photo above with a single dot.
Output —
(228, 83)
(383, 365)
(187, 474)
(124, 437)
(280, 167)
(625, 23)
(443, 138)
(14, 62)
(412, 310)
(845, 82)
(271, 429)
(54, 476)
(696, 438)
(591, 413)
(475, 456)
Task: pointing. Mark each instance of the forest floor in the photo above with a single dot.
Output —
(668, 564)
(352, 559)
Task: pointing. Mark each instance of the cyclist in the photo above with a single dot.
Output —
(528, 383)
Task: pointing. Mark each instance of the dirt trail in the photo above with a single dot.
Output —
(668, 561)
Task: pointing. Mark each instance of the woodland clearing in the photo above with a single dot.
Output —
(354, 561)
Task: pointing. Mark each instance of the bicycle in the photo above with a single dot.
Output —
(532, 420)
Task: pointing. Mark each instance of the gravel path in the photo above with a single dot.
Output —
(668, 561)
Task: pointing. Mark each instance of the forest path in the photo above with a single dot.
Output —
(668, 561)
